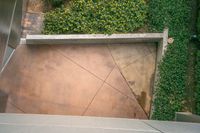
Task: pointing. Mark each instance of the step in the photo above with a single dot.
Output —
(71, 122)
(33, 123)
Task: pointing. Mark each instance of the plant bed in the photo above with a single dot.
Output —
(100, 16)
(170, 89)
(42, 6)
(197, 91)
(198, 21)
(197, 68)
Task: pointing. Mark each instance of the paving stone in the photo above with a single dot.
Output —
(32, 23)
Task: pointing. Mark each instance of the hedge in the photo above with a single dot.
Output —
(198, 20)
(198, 25)
(197, 92)
(170, 88)
(197, 74)
(96, 16)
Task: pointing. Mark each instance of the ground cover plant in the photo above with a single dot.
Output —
(198, 20)
(197, 94)
(197, 74)
(170, 88)
(96, 16)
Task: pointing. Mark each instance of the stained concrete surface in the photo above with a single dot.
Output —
(92, 80)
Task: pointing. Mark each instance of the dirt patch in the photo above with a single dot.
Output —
(36, 6)
(40, 6)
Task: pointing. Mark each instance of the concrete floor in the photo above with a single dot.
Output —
(91, 80)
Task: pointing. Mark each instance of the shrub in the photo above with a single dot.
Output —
(197, 94)
(96, 16)
(170, 88)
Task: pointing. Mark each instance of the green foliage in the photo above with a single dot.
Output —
(170, 88)
(55, 3)
(96, 16)
(197, 91)
(198, 24)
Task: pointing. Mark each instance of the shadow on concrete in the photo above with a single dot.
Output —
(3, 101)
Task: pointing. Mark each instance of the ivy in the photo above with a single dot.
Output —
(96, 16)
(198, 26)
(197, 91)
(170, 88)
(197, 74)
